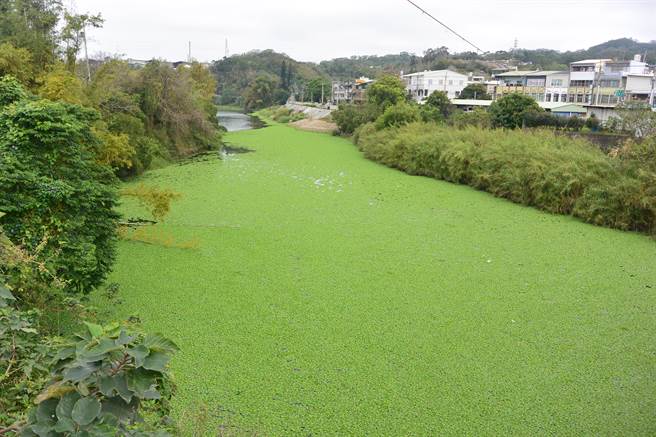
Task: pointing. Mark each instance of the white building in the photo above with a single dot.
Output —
(421, 85)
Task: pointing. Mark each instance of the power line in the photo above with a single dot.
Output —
(445, 26)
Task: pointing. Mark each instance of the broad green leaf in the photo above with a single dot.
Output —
(104, 346)
(65, 425)
(94, 330)
(78, 373)
(85, 410)
(121, 385)
(141, 380)
(158, 342)
(156, 361)
(124, 338)
(139, 353)
(118, 408)
(66, 404)
(106, 385)
(45, 412)
(64, 353)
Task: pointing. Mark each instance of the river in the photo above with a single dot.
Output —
(236, 121)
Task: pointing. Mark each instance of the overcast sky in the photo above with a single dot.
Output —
(316, 30)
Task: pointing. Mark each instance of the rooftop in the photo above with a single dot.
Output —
(591, 61)
(421, 73)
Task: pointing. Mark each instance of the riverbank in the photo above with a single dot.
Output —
(331, 295)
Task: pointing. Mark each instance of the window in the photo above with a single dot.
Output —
(580, 83)
(579, 98)
(430, 82)
(555, 97)
(613, 83)
(450, 82)
(572, 98)
(457, 93)
(556, 82)
(441, 82)
(462, 82)
(563, 97)
(548, 99)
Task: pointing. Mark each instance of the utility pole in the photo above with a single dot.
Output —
(322, 93)
(189, 53)
(227, 53)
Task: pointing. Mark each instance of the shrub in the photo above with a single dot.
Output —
(440, 101)
(536, 168)
(349, 117)
(388, 90)
(52, 189)
(478, 118)
(509, 111)
(10, 91)
(398, 115)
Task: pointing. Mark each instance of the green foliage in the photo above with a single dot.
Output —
(540, 169)
(60, 85)
(32, 25)
(10, 91)
(509, 111)
(260, 93)
(478, 118)
(99, 382)
(634, 118)
(349, 117)
(73, 34)
(440, 101)
(52, 188)
(476, 91)
(316, 89)
(397, 115)
(23, 359)
(16, 62)
(237, 72)
(386, 91)
(533, 118)
(592, 123)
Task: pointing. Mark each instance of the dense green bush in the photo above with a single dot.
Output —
(349, 117)
(509, 111)
(477, 118)
(398, 115)
(537, 168)
(54, 193)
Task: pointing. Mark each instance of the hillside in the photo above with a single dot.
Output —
(237, 72)
(286, 75)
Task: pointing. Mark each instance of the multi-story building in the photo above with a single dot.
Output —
(350, 91)
(543, 86)
(421, 85)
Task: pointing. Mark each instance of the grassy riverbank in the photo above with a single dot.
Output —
(331, 295)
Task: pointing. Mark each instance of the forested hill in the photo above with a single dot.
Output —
(263, 77)
(276, 70)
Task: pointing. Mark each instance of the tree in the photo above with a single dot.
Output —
(59, 84)
(635, 118)
(508, 111)
(260, 93)
(476, 91)
(53, 192)
(386, 91)
(398, 115)
(74, 34)
(16, 62)
(440, 101)
(32, 25)
(349, 117)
